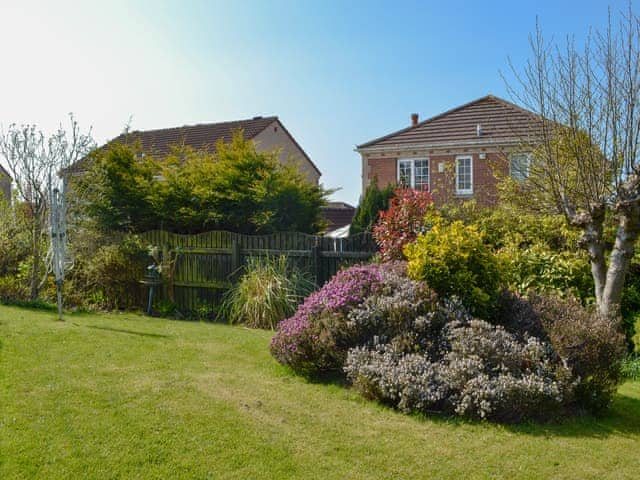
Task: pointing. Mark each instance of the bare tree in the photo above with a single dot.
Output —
(586, 164)
(34, 162)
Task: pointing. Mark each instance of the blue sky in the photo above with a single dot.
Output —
(336, 73)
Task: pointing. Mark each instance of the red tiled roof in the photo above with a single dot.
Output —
(200, 137)
(501, 122)
(337, 214)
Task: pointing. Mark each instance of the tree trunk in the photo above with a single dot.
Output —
(36, 254)
(594, 245)
(619, 260)
(592, 225)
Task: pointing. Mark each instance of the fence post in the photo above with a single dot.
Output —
(235, 256)
(315, 262)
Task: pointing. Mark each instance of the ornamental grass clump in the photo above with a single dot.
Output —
(268, 292)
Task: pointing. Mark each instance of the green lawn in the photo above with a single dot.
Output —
(124, 396)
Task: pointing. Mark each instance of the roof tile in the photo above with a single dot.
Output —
(500, 120)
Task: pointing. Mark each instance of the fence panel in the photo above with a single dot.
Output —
(208, 263)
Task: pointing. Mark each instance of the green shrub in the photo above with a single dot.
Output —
(237, 188)
(539, 268)
(107, 276)
(505, 225)
(268, 292)
(630, 368)
(373, 201)
(13, 289)
(454, 260)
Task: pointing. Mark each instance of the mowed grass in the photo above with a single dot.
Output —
(124, 396)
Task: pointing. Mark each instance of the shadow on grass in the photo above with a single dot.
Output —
(622, 418)
(130, 332)
(327, 378)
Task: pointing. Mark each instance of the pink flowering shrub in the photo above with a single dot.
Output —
(296, 342)
(358, 304)
(402, 222)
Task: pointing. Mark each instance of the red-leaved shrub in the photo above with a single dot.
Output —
(402, 222)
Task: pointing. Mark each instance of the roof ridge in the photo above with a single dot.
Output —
(271, 118)
(446, 112)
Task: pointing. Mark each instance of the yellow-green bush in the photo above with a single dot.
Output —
(455, 261)
(539, 268)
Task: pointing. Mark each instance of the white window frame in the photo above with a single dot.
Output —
(528, 155)
(464, 191)
(413, 160)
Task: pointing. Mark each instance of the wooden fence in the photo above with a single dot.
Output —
(208, 263)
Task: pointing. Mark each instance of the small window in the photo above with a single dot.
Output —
(519, 166)
(464, 175)
(421, 175)
(405, 173)
(414, 173)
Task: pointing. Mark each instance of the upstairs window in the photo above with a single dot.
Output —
(519, 164)
(464, 175)
(414, 173)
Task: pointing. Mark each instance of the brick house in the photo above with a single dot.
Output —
(458, 154)
(337, 215)
(5, 184)
(268, 133)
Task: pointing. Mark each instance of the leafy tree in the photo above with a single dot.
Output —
(373, 201)
(190, 191)
(119, 191)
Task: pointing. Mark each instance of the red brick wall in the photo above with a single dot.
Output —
(384, 169)
(443, 183)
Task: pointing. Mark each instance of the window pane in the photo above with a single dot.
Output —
(404, 172)
(464, 179)
(421, 174)
(520, 166)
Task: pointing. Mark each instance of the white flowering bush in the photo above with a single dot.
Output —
(480, 371)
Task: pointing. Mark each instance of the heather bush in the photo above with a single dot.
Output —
(357, 305)
(402, 344)
(401, 222)
(296, 343)
(480, 371)
(454, 260)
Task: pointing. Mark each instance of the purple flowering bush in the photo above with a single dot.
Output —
(356, 305)
(296, 342)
